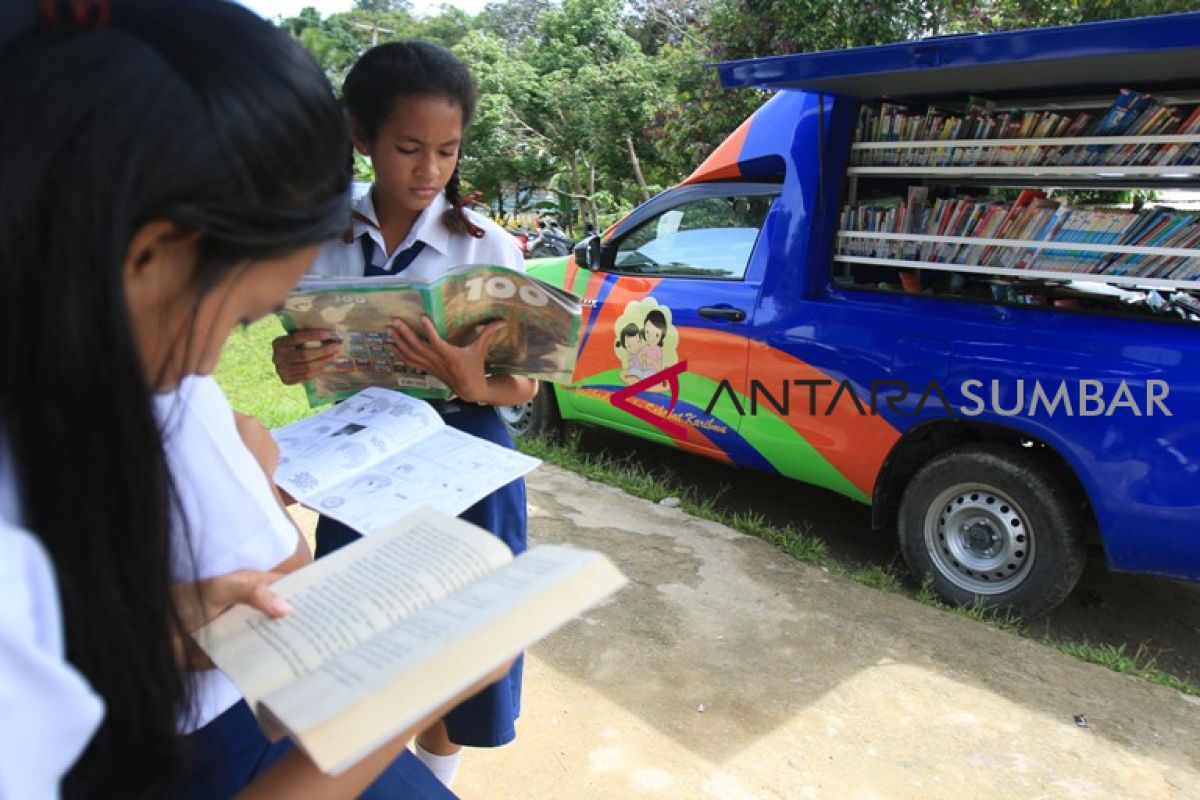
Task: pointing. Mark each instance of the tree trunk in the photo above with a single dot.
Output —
(585, 201)
(637, 168)
(592, 194)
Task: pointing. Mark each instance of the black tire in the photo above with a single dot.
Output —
(989, 523)
(538, 417)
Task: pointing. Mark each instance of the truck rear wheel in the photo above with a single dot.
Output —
(990, 524)
(538, 417)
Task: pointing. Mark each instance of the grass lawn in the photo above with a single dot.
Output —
(248, 377)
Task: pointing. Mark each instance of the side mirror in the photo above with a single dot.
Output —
(587, 253)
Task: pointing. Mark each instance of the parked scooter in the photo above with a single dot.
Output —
(549, 240)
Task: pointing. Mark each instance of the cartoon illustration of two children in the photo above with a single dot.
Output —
(646, 348)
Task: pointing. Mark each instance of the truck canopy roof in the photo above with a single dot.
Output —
(1149, 53)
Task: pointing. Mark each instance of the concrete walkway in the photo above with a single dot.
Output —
(728, 670)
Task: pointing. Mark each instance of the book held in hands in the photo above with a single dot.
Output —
(381, 454)
(540, 339)
(387, 630)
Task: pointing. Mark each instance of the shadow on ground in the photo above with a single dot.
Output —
(728, 649)
(1106, 607)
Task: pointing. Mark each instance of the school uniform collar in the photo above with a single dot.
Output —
(428, 228)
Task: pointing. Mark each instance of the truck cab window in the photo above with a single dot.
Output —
(708, 238)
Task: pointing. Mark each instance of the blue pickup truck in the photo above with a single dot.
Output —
(856, 290)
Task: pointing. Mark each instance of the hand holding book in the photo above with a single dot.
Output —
(396, 626)
(304, 354)
(460, 367)
(538, 338)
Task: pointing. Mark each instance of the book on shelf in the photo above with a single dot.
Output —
(1175, 153)
(1132, 113)
(1032, 217)
(391, 628)
(914, 219)
(1008, 221)
(540, 339)
(381, 454)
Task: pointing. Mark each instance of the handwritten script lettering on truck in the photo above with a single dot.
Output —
(888, 284)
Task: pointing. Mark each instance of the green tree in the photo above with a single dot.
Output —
(514, 21)
(383, 6)
(449, 27)
(656, 24)
(1014, 14)
(500, 146)
(596, 94)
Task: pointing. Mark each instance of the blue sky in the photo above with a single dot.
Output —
(288, 8)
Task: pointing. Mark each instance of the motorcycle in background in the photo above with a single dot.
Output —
(548, 241)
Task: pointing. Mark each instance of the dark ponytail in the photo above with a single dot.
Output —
(456, 216)
(403, 70)
(195, 111)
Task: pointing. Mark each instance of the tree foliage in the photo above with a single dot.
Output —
(604, 102)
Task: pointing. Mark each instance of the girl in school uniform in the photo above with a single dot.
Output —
(409, 105)
(169, 170)
(231, 518)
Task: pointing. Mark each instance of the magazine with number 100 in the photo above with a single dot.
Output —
(540, 339)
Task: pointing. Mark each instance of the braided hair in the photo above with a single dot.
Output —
(413, 68)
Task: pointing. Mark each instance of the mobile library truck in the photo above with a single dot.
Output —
(938, 277)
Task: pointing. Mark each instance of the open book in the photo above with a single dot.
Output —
(381, 454)
(540, 340)
(391, 627)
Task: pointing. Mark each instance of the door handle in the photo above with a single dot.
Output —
(722, 312)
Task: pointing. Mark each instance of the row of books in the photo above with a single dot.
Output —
(1131, 114)
(1032, 217)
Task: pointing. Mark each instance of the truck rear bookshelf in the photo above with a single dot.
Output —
(1042, 244)
(888, 220)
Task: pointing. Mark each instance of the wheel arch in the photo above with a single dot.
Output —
(926, 440)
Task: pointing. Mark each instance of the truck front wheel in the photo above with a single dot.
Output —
(990, 524)
(538, 417)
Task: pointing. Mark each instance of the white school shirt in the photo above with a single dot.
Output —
(233, 519)
(443, 249)
(48, 711)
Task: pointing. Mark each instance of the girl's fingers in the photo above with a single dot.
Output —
(262, 598)
(402, 327)
(306, 369)
(298, 338)
(412, 360)
(310, 368)
(407, 353)
(436, 342)
(410, 349)
(250, 587)
(199, 602)
(489, 334)
(402, 334)
(317, 366)
(296, 373)
(306, 355)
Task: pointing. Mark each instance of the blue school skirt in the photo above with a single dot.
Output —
(229, 752)
(488, 718)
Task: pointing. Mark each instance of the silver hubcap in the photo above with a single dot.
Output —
(517, 418)
(979, 539)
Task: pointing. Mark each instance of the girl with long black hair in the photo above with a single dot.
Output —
(167, 170)
(410, 104)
